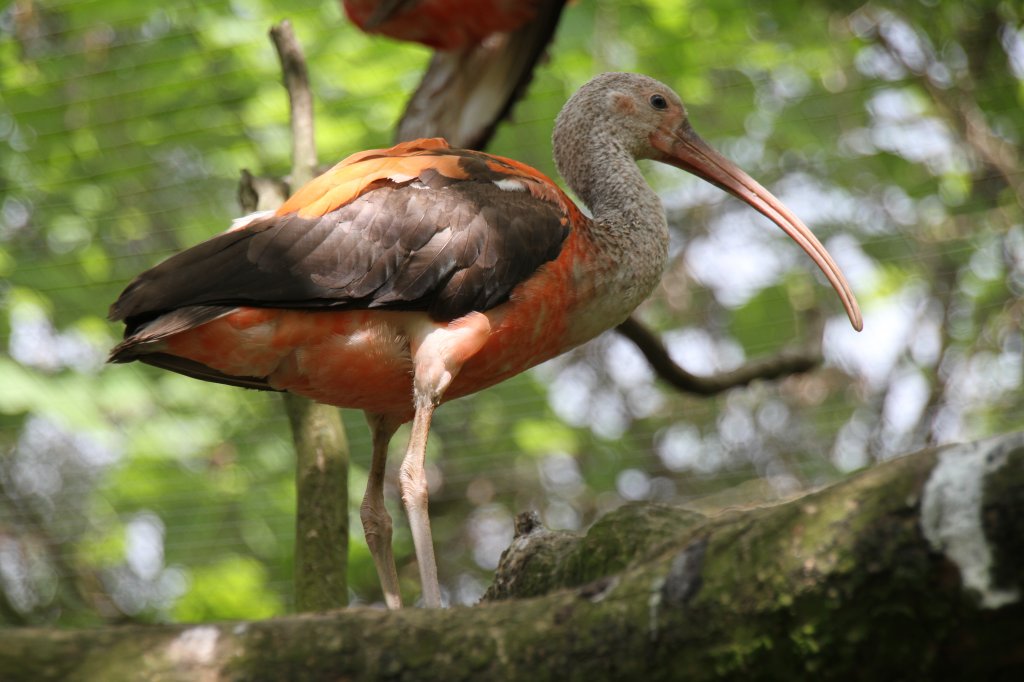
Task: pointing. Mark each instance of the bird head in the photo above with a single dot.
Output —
(649, 121)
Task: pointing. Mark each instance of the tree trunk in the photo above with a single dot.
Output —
(909, 570)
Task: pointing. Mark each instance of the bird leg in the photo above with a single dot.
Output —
(438, 354)
(415, 495)
(373, 513)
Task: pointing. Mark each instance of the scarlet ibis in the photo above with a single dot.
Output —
(486, 51)
(406, 277)
(441, 24)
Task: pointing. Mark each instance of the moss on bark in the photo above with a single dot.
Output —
(842, 583)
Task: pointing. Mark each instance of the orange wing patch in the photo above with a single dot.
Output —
(350, 178)
(347, 180)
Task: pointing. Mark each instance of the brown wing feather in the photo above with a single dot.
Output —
(447, 245)
(193, 369)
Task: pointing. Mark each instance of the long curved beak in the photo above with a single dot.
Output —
(684, 149)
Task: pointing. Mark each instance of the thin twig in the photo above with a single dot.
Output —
(257, 193)
(300, 99)
(783, 363)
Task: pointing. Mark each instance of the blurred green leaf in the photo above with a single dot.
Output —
(233, 588)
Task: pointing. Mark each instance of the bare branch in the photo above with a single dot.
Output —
(296, 81)
(321, 450)
(258, 193)
(783, 363)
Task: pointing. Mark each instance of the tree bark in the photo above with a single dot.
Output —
(910, 570)
(321, 511)
(321, 449)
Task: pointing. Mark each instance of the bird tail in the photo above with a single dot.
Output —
(142, 343)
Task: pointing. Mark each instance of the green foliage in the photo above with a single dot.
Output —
(766, 323)
(126, 492)
(234, 587)
(540, 437)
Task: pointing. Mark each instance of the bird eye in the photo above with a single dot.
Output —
(659, 102)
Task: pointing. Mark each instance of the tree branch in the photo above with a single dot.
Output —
(300, 100)
(321, 450)
(260, 193)
(321, 511)
(910, 570)
(783, 363)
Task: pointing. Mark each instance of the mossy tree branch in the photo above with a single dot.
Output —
(910, 570)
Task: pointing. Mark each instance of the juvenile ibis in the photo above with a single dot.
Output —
(406, 277)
